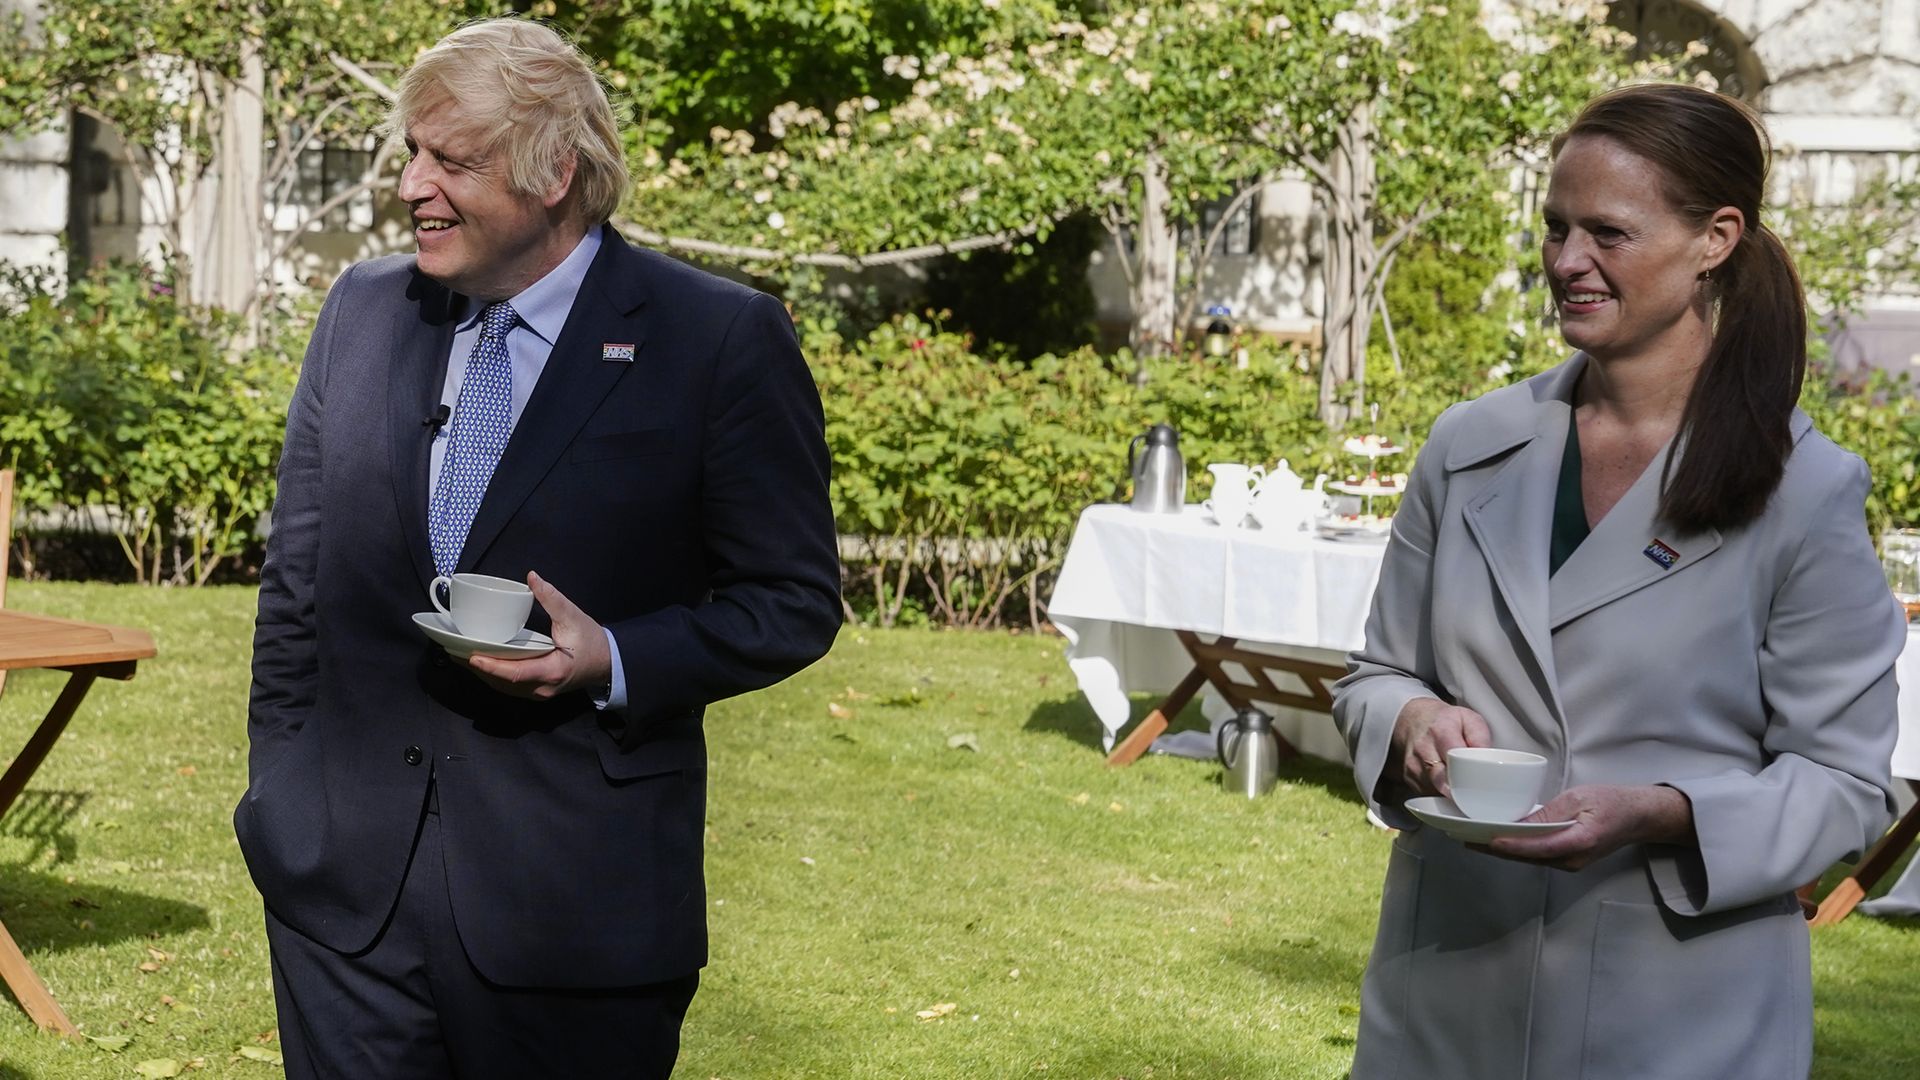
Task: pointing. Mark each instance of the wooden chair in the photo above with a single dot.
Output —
(6, 542)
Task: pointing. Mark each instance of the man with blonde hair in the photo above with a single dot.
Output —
(490, 865)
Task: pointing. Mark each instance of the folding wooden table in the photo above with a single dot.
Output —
(86, 651)
(1174, 601)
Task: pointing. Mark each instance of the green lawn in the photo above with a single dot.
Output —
(1064, 920)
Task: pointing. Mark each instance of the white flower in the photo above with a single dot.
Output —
(1102, 41)
(1141, 79)
(776, 220)
(992, 158)
(1510, 82)
(763, 196)
(869, 103)
(1341, 61)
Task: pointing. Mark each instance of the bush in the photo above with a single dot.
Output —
(123, 402)
(958, 479)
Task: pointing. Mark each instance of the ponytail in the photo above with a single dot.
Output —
(1735, 427)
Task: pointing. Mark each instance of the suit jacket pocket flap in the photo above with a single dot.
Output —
(650, 758)
(624, 444)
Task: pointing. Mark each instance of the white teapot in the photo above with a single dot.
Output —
(1285, 504)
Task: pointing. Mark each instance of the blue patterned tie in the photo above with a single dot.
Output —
(481, 421)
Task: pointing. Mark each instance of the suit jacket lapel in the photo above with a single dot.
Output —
(574, 382)
(1620, 555)
(417, 370)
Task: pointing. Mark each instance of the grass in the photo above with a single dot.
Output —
(1079, 922)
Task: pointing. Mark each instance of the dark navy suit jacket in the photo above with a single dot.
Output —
(680, 500)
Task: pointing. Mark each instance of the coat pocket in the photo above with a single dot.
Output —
(1677, 998)
(623, 444)
(676, 752)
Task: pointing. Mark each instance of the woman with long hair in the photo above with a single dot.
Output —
(1645, 566)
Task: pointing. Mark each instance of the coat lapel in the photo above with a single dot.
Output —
(1511, 520)
(576, 379)
(1630, 549)
(416, 372)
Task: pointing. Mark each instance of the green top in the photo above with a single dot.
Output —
(1569, 508)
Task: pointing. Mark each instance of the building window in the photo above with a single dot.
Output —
(1240, 236)
(323, 172)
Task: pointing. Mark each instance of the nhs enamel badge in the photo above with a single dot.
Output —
(618, 353)
(1659, 552)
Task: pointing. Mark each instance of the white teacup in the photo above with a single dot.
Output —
(1495, 785)
(482, 607)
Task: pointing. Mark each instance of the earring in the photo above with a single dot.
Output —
(1706, 275)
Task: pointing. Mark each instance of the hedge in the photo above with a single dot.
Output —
(957, 478)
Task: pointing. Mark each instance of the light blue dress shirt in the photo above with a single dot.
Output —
(542, 307)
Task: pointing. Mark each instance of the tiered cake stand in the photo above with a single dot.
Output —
(1374, 485)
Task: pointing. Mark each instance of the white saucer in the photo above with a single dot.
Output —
(438, 627)
(1440, 813)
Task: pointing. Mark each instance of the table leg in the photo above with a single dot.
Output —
(14, 969)
(1155, 724)
(1880, 859)
(29, 990)
(24, 766)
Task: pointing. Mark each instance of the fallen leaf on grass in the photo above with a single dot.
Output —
(966, 740)
(1080, 799)
(157, 1068)
(157, 954)
(260, 1053)
(936, 1012)
(839, 711)
(1115, 807)
(186, 770)
(112, 1044)
(854, 695)
(149, 967)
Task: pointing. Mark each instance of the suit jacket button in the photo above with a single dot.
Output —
(414, 756)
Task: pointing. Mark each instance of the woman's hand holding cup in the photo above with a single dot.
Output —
(1423, 733)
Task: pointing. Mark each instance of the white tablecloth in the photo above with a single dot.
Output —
(1131, 579)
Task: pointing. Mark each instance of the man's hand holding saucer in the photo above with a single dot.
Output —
(580, 658)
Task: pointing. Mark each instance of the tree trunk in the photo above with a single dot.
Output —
(1156, 244)
(225, 272)
(1351, 257)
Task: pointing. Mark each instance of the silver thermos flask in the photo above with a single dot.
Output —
(1159, 476)
(1250, 751)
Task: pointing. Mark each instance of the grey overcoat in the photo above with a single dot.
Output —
(1754, 674)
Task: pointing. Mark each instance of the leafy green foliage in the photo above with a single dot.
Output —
(961, 477)
(120, 398)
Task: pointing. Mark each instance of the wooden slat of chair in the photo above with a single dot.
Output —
(6, 542)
